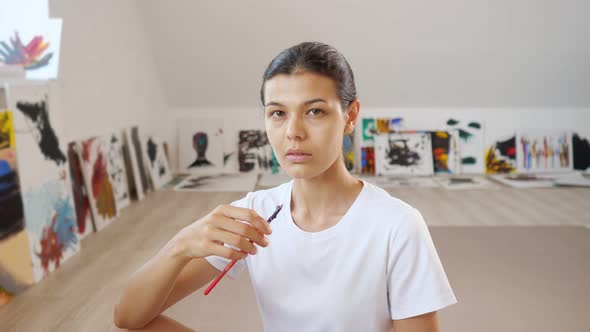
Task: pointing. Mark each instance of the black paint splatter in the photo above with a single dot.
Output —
(581, 152)
(399, 153)
(48, 142)
(252, 151)
(152, 150)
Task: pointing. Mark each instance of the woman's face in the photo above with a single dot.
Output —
(305, 122)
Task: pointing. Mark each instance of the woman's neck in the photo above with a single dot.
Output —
(323, 200)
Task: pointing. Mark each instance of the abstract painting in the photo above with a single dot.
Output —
(44, 173)
(235, 182)
(255, 152)
(96, 176)
(37, 119)
(33, 44)
(538, 151)
(348, 152)
(443, 152)
(51, 226)
(157, 163)
(382, 125)
(117, 171)
(11, 207)
(403, 154)
(200, 145)
(132, 164)
(16, 273)
(80, 193)
(471, 145)
(368, 160)
(369, 129)
(581, 151)
(136, 142)
(6, 130)
(500, 158)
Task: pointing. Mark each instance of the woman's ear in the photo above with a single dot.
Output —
(353, 116)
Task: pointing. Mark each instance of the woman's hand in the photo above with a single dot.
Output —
(226, 224)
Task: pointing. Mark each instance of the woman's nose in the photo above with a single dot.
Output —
(295, 129)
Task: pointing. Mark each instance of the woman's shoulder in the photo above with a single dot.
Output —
(379, 199)
(387, 209)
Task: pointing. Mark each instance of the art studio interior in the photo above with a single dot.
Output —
(294, 166)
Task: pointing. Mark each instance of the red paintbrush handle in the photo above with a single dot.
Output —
(214, 282)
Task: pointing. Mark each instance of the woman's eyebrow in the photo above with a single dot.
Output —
(316, 100)
(309, 102)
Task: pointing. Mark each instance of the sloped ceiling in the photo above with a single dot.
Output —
(454, 53)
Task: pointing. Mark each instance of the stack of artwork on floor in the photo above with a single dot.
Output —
(210, 166)
(387, 152)
(456, 158)
(55, 193)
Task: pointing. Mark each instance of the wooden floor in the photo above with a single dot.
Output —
(81, 294)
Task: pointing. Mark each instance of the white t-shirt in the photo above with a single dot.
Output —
(376, 264)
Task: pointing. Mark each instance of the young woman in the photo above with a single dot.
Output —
(342, 254)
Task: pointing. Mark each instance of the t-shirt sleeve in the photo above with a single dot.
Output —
(220, 262)
(417, 283)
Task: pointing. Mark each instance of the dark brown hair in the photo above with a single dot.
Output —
(318, 58)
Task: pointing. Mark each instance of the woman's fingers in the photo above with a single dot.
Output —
(233, 239)
(226, 252)
(242, 229)
(248, 215)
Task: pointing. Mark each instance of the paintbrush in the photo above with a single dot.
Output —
(232, 263)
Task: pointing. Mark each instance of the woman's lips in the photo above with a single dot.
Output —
(298, 156)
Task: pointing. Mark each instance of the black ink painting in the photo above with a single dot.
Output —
(44, 133)
(403, 154)
(255, 152)
(581, 148)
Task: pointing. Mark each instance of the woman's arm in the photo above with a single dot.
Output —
(179, 268)
(148, 288)
(423, 323)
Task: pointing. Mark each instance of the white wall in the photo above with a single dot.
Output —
(499, 122)
(420, 53)
(107, 76)
(511, 64)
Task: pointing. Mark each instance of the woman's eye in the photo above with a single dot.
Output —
(315, 111)
(277, 114)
